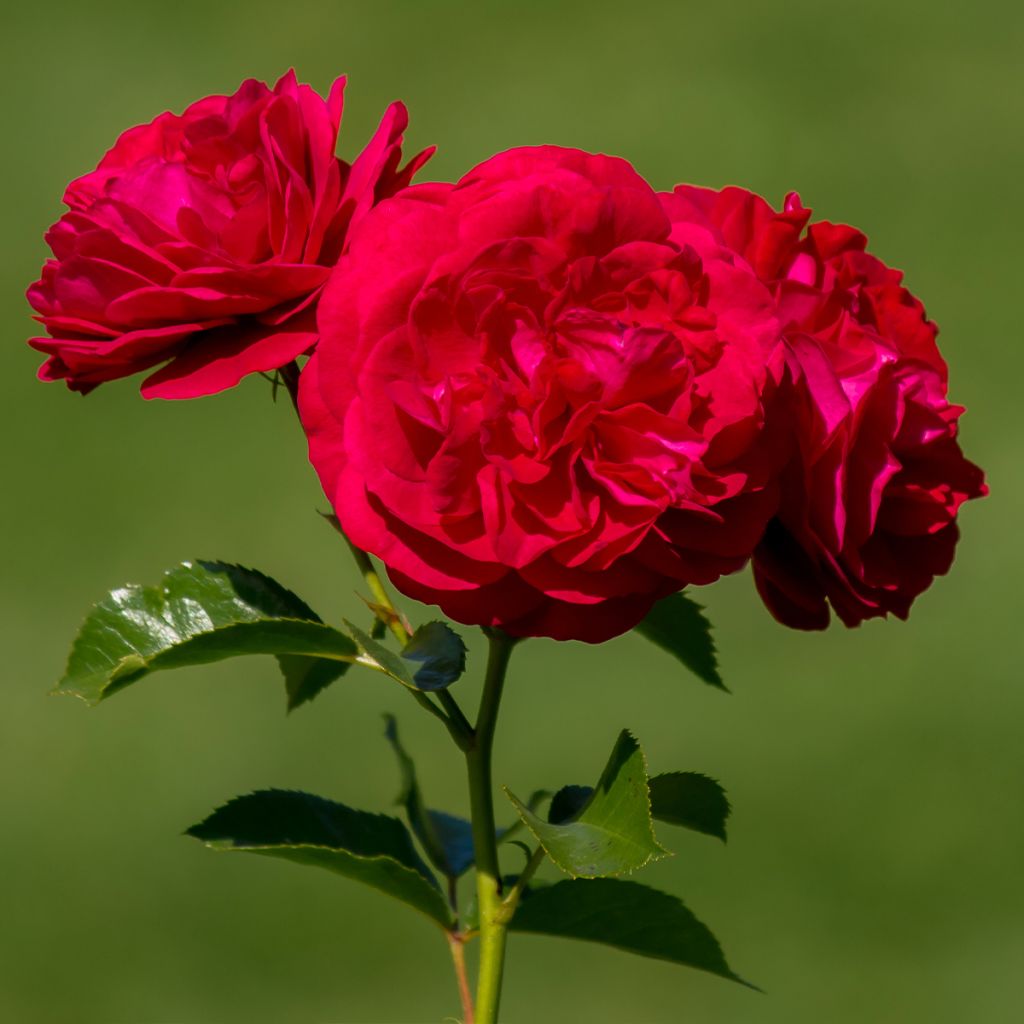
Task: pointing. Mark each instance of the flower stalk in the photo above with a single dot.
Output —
(477, 743)
(494, 912)
(450, 714)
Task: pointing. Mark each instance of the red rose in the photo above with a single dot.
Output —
(536, 402)
(205, 239)
(868, 516)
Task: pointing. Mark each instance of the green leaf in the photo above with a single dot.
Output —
(371, 848)
(305, 677)
(440, 651)
(203, 612)
(456, 836)
(626, 915)
(691, 800)
(567, 803)
(537, 797)
(447, 839)
(375, 655)
(679, 626)
(613, 833)
(679, 798)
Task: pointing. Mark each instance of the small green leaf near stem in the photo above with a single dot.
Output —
(452, 717)
(612, 833)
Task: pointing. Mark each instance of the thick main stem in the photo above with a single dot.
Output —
(492, 911)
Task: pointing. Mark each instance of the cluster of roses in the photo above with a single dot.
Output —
(546, 395)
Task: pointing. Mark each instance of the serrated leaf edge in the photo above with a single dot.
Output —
(368, 661)
(731, 975)
(661, 852)
(117, 673)
(700, 775)
(716, 680)
(463, 651)
(228, 846)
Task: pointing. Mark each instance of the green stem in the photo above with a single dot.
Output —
(379, 592)
(477, 744)
(494, 914)
(455, 721)
(511, 901)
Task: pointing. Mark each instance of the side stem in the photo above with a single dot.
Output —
(493, 913)
(454, 720)
(452, 717)
(456, 943)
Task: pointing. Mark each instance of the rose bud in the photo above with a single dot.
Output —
(870, 499)
(202, 241)
(537, 403)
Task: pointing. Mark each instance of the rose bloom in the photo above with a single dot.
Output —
(202, 240)
(868, 515)
(537, 403)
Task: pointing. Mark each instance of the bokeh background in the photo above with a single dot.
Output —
(873, 871)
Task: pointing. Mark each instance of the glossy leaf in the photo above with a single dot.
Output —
(371, 848)
(447, 839)
(613, 834)
(203, 612)
(441, 654)
(691, 800)
(679, 626)
(626, 915)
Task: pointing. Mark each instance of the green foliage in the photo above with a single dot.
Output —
(305, 677)
(375, 655)
(691, 800)
(203, 612)
(624, 914)
(440, 651)
(679, 626)
(612, 834)
(505, 835)
(568, 802)
(447, 839)
(679, 798)
(371, 848)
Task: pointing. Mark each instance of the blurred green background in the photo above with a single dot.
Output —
(873, 872)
